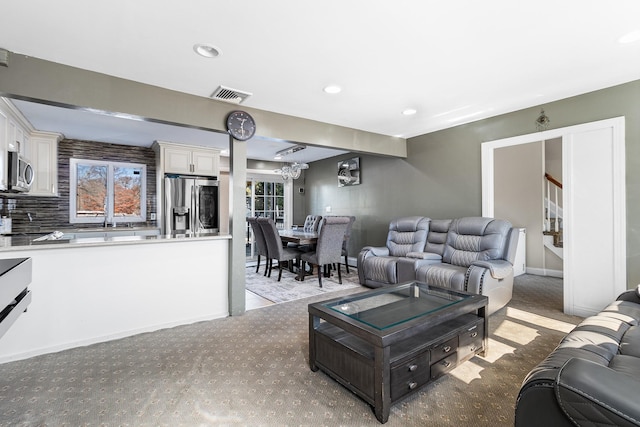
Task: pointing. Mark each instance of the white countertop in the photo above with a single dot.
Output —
(25, 242)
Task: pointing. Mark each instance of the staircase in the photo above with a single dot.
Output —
(553, 237)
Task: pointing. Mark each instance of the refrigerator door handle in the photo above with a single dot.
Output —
(194, 209)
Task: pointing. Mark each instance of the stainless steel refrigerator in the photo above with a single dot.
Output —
(190, 205)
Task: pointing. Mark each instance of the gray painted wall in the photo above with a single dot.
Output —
(518, 194)
(441, 177)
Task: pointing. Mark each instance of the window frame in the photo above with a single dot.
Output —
(110, 217)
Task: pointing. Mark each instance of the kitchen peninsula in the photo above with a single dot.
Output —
(90, 290)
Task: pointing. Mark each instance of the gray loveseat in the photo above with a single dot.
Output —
(593, 377)
(472, 254)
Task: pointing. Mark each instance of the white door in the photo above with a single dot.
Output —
(594, 216)
(595, 261)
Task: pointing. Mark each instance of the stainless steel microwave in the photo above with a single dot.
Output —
(20, 173)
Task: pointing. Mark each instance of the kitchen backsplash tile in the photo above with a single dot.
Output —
(45, 214)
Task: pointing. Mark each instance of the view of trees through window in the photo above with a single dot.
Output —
(91, 190)
(107, 190)
(126, 191)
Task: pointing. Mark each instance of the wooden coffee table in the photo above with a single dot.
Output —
(386, 343)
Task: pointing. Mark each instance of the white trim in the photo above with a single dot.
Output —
(617, 124)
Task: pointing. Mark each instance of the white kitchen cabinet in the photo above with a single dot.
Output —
(43, 154)
(189, 160)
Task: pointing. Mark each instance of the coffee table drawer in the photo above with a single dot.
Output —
(472, 333)
(410, 375)
(444, 366)
(445, 349)
(471, 341)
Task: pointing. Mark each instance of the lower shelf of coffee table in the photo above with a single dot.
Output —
(413, 363)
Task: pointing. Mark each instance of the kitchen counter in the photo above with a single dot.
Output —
(21, 242)
(95, 289)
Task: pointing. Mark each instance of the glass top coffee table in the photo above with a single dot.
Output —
(386, 343)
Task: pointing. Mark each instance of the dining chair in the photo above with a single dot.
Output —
(261, 244)
(275, 249)
(329, 247)
(311, 224)
(345, 243)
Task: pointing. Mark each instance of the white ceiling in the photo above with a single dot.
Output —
(454, 62)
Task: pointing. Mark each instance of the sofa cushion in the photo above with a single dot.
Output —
(630, 344)
(626, 311)
(475, 239)
(444, 275)
(629, 365)
(407, 235)
(603, 325)
(381, 269)
(437, 236)
(594, 342)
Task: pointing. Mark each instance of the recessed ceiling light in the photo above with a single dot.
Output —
(332, 89)
(206, 50)
(631, 37)
(409, 111)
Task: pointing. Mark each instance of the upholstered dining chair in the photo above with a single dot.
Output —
(345, 243)
(261, 244)
(329, 247)
(311, 223)
(274, 246)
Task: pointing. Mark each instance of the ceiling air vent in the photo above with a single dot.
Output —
(227, 94)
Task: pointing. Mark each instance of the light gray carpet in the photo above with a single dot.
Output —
(289, 289)
(252, 370)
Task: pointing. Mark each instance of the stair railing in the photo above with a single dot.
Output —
(557, 185)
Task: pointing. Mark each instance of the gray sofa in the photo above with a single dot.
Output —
(472, 254)
(592, 378)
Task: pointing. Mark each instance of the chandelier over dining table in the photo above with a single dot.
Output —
(292, 170)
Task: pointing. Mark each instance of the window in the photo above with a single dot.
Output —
(107, 192)
(266, 197)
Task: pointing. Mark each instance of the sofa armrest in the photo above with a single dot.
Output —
(632, 295)
(590, 392)
(376, 250)
(425, 255)
(499, 268)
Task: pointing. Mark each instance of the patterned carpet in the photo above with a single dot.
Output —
(252, 370)
(289, 289)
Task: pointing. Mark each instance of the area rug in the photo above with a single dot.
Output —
(289, 289)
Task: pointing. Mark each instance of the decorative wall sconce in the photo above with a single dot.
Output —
(292, 171)
(542, 122)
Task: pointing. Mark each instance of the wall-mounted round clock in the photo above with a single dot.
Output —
(241, 125)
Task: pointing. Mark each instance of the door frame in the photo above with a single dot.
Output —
(617, 124)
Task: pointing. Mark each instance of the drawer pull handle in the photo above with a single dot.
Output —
(446, 349)
(474, 334)
(473, 348)
(446, 363)
(412, 385)
(413, 368)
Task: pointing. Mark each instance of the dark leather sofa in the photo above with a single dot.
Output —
(593, 377)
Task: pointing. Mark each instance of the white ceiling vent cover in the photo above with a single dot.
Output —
(227, 94)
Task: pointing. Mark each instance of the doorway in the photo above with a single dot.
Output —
(593, 173)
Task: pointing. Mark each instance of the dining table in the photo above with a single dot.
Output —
(298, 236)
